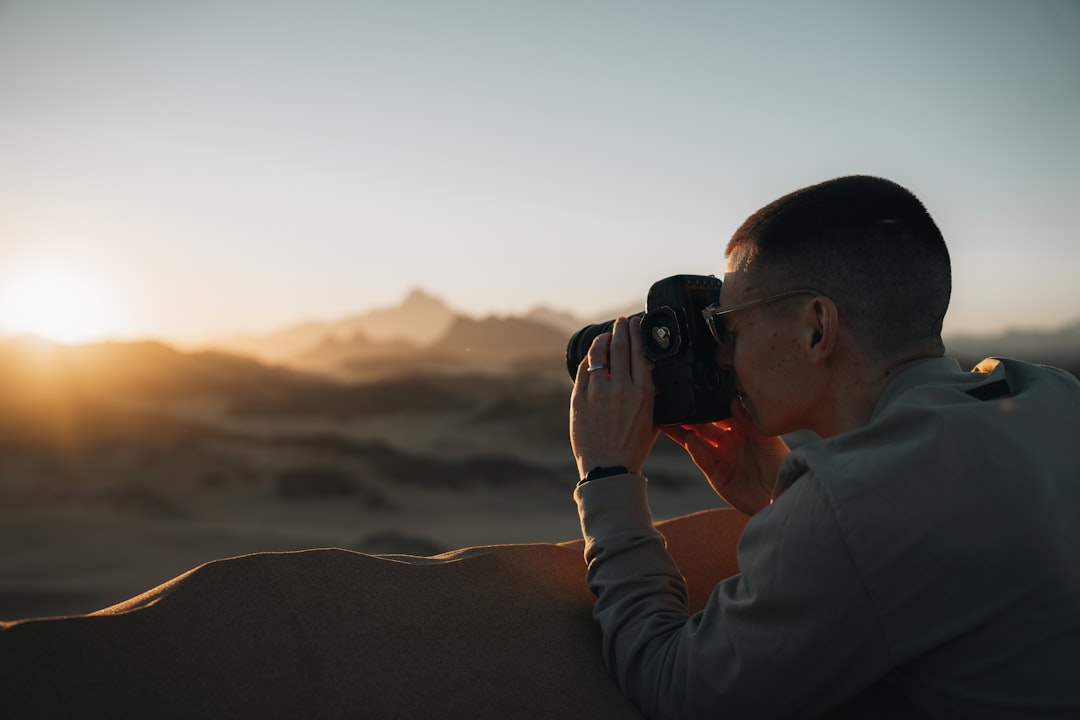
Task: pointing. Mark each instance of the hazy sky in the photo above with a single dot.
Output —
(211, 166)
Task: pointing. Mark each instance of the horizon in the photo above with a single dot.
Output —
(209, 341)
(214, 169)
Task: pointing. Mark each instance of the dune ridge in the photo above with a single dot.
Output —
(484, 632)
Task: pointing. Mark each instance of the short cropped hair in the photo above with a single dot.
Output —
(867, 243)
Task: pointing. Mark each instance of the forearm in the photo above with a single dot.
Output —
(641, 596)
(778, 618)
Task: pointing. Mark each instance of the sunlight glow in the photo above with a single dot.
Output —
(55, 304)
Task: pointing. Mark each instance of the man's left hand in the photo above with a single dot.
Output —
(611, 407)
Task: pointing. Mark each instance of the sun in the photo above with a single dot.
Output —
(53, 303)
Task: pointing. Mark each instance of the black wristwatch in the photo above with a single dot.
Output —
(601, 472)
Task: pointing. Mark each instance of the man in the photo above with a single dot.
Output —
(919, 560)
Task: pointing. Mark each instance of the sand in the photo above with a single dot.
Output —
(204, 536)
(124, 466)
(485, 632)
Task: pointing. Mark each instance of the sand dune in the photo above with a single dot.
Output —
(486, 632)
(123, 465)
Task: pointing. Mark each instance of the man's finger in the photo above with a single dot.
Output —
(619, 349)
(597, 358)
(640, 366)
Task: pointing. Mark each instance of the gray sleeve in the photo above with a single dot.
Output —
(791, 636)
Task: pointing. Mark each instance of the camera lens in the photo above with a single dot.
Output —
(579, 344)
(582, 340)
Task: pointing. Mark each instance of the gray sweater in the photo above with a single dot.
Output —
(925, 565)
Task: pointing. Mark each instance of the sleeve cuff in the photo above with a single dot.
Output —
(612, 508)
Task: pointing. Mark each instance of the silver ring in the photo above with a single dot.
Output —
(594, 368)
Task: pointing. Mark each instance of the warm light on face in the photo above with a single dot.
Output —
(54, 304)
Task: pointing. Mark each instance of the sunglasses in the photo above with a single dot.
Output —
(712, 312)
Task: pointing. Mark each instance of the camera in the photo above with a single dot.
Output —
(690, 387)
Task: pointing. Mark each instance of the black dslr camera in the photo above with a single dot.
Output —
(690, 387)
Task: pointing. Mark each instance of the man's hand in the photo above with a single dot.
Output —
(739, 462)
(611, 408)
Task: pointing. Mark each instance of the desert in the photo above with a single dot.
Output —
(124, 465)
(354, 515)
(362, 524)
(410, 428)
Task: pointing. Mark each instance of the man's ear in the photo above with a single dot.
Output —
(823, 325)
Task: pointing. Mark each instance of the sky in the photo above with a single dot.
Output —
(185, 170)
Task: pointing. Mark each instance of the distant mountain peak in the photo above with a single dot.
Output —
(420, 297)
(419, 318)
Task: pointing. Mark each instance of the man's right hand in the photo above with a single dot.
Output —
(739, 462)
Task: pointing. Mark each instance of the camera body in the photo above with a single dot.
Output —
(691, 388)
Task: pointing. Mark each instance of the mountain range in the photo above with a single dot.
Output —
(423, 332)
(420, 334)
